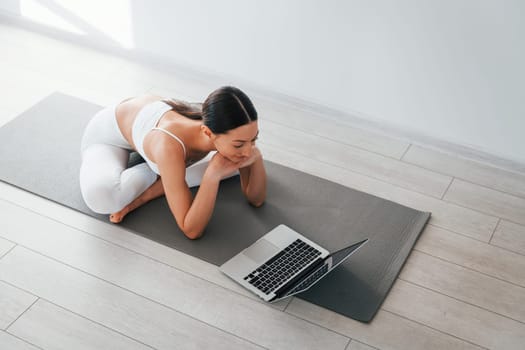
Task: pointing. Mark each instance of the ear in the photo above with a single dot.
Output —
(207, 131)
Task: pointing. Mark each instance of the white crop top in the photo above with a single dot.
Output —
(147, 120)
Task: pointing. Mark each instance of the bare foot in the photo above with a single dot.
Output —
(118, 216)
(154, 191)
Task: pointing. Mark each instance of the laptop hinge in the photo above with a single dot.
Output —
(290, 284)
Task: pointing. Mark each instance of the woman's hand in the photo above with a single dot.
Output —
(220, 167)
(255, 155)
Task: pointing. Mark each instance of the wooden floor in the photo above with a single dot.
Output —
(68, 281)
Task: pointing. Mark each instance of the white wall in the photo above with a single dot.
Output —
(447, 69)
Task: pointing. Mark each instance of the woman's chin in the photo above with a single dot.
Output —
(237, 160)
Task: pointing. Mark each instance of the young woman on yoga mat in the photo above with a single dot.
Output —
(172, 136)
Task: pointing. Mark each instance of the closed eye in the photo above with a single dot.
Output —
(243, 141)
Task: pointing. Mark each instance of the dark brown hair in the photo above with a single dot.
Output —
(224, 109)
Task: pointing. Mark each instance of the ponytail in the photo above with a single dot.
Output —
(187, 109)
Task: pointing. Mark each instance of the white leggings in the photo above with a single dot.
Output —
(106, 184)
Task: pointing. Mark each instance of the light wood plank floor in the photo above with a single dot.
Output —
(68, 281)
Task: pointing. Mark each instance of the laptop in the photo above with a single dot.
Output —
(283, 263)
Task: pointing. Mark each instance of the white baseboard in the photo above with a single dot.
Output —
(365, 122)
(354, 119)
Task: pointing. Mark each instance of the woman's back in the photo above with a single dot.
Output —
(127, 111)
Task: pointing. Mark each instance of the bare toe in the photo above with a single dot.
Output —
(116, 217)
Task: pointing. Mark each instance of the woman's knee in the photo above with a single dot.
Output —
(102, 198)
(110, 191)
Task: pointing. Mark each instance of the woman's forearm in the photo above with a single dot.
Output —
(202, 206)
(253, 182)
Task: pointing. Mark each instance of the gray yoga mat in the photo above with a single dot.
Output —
(39, 152)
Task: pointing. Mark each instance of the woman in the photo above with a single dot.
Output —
(171, 136)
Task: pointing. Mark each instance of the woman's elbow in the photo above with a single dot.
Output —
(190, 230)
(193, 234)
(258, 203)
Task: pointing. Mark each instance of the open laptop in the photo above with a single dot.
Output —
(283, 263)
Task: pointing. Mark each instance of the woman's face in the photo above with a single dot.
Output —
(236, 144)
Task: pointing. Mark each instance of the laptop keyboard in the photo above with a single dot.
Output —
(282, 266)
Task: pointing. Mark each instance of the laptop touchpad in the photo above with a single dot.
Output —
(261, 251)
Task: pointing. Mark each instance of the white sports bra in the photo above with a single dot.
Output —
(146, 120)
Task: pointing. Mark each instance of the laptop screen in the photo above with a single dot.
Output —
(322, 269)
(340, 255)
